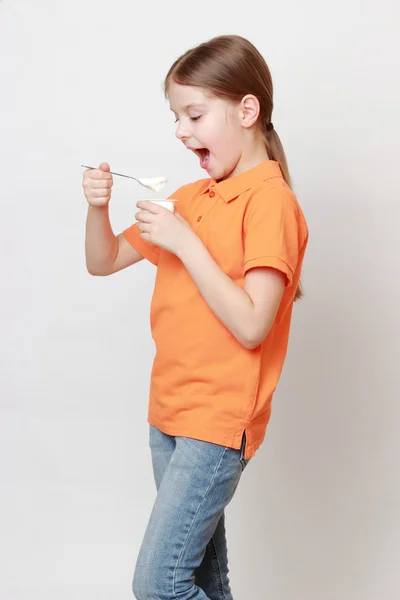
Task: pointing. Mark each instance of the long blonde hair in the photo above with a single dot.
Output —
(229, 66)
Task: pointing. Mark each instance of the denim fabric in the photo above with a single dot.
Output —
(184, 551)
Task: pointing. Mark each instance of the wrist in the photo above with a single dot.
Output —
(188, 245)
(98, 209)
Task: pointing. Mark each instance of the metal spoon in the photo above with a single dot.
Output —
(155, 184)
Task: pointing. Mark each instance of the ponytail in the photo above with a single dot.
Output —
(276, 152)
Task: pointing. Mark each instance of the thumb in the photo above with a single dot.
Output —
(104, 167)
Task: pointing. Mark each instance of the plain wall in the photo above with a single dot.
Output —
(316, 516)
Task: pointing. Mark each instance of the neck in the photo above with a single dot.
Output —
(251, 157)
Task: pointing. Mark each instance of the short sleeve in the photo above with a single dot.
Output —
(271, 233)
(148, 250)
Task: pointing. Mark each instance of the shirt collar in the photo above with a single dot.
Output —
(231, 188)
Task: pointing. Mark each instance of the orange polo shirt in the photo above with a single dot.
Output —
(204, 383)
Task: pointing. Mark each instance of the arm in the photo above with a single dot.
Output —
(105, 252)
(248, 313)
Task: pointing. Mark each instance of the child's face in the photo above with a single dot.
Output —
(208, 126)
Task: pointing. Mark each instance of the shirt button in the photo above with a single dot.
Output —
(198, 219)
(212, 194)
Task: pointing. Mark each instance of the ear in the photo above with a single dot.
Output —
(249, 110)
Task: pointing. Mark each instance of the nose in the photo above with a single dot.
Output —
(181, 132)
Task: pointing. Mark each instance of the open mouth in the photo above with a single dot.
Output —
(204, 155)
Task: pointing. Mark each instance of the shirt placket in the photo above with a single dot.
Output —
(205, 210)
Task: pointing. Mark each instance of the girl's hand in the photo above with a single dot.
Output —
(162, 227)
(97, 185)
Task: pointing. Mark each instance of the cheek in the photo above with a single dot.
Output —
(229, 141)
(218, 136)
(208, 132)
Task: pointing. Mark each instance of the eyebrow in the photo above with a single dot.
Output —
(192, 105)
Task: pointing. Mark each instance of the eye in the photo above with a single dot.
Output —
(191, 118)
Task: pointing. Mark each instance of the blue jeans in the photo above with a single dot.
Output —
(184, 552)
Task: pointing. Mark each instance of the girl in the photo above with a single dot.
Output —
(229, 262)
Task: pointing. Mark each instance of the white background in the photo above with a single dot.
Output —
(316, 516)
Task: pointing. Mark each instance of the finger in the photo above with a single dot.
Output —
(145, 227)
(144, 216)
(100, 193)
(98, 174)
(149, 206)
(104, 167)
(99, 184)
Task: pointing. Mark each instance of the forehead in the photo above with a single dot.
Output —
(182, 97)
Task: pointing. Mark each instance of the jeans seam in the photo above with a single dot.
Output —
(218, 571)
(194, 519)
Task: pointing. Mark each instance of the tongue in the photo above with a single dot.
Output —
(204, 158)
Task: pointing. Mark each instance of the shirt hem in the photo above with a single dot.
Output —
(233, 439)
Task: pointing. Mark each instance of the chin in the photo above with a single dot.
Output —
(219, 173)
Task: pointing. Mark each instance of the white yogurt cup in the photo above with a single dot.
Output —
(168, 204)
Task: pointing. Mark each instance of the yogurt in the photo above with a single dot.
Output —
(155, 184)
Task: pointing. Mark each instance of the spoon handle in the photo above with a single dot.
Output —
(119, 174)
